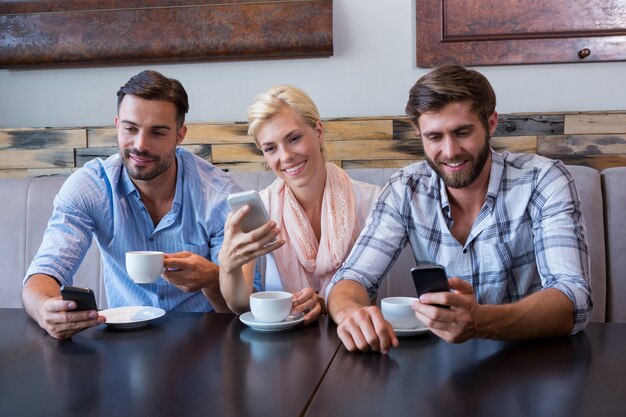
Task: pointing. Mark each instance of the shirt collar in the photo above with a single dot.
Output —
(495, 178)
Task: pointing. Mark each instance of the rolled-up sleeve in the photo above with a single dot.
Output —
(560, 240)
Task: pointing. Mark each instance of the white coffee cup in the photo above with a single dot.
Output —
(270, 306)
(398, 312)
(144, 267)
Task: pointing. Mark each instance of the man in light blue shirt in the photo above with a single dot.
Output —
(152, 196)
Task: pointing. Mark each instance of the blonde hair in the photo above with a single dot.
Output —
(273, 101)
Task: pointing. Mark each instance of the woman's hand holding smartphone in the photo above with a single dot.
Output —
(256, 217)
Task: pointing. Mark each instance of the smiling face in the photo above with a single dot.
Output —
(292, 148)
(456, 143)
(147, 137)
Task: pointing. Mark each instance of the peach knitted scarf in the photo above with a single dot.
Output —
(316, 261)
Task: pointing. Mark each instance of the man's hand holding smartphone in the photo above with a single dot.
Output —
(62, 323)
(430, 278)
(83, 297)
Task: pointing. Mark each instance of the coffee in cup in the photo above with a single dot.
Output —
(398, 312)
(144, 267)
(270, 306)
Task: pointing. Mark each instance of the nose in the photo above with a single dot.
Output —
(141, 141)
(449, 147)
(285, 154)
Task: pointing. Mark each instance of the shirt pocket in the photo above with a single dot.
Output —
(508, 252)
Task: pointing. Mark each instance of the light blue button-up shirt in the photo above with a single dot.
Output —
(100, 200)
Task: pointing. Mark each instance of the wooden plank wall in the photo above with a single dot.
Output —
(594, 139)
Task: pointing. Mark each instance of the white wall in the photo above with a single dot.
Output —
(371, 71)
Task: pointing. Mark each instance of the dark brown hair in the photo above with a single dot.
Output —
(152, 85)
(447, 84)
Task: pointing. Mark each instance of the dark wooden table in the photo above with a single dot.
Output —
(184, 364)
(582, 375)
(211, 364)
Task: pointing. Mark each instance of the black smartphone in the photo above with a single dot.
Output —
(84, 297)
(430, 278)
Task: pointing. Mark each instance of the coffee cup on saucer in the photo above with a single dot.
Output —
(398, 312)
(144, 267)
(270, 306)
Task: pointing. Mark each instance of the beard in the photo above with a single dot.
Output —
(467, 176)
(142, 173)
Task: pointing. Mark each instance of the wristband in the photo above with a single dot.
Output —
(322, 305)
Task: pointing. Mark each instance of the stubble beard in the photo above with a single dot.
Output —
(468, 176)
(161, 166)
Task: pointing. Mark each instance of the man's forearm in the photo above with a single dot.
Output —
(546, 313)
(37, 289)
(345, 297)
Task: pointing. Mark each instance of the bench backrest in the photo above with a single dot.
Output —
(29, 204)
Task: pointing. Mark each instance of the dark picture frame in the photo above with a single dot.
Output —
(508, 32)
(39, 33)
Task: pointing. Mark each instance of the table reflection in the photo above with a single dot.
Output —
(427, 377)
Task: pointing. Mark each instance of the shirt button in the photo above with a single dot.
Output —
(464, 250)
(151, 239)
(161, 297)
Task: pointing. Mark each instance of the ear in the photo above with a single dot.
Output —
(319, 129)
(117, 121)
(180, 135)
(493, 123)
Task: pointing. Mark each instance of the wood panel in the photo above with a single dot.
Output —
(243, 167)
(516, 144)
(373, 149)
(496, 32)
(46, 158)
(573, 145)
(53, 33)
(38, 138)
(581, 124)
(223, 153)
(217, 133)
(528, 125)
(358, 130)
(379, 163)
(350, 142)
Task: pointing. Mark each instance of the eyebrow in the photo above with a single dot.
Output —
(290, 133)
(456, 129)
(151, 127)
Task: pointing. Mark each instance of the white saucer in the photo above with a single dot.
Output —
(248, 319)
(411, 332)
(129, 317)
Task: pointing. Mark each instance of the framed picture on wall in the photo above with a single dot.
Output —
(497, 32)
(39, 33)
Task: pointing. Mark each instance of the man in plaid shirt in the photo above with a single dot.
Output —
(506, 227)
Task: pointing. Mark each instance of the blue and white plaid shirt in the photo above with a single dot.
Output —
(101, 200)
(528, 235)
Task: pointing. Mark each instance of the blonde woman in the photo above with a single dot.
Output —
(316, 210)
